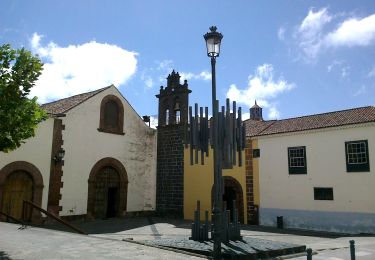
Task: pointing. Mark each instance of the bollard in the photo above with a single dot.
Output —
(309, 253)
(352, 250)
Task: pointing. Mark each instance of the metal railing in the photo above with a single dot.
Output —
(48, 214)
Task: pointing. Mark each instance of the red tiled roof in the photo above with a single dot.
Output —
(254, 127)
(331, 119)
(63, 105)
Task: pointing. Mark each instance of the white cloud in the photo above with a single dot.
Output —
(310, 32)
(339, 65)
(80, 68)
(281, 33)
(165, 65)
(263, 88)
(204, 75)
(353, 32)
(154, 121)
(345, 71)
(371, 74)
(314, 22)
(273, 113)
(245, 116)
(361, 91)
(147, 80)
(315, 32)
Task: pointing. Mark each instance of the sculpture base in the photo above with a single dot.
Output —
(247, 248)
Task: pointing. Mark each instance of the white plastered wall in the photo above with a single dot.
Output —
(84, 146)
(37, 151)
(326, 167)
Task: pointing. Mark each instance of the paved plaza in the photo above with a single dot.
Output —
(106, 241)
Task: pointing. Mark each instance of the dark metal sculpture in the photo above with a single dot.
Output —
(199, 232)
(231, 229)
(231, 135)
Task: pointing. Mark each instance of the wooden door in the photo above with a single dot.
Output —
(17, 188)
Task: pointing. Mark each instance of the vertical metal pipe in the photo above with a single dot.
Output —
(191, 134)
(202, 134)
(207, 131)
(196, 133)
(309, 254)
(352, 250)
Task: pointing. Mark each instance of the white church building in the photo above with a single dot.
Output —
(93, 157)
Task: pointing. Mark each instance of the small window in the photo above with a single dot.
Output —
(357, 159)
(323, 193)
(256, 153)
(178, 116)
(297, 160)
(111, 115)
(167, 117)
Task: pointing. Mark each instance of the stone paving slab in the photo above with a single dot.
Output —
(248, 247)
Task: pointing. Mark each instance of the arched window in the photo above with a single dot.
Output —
(177, 113)
(177, 116)
(111, 115)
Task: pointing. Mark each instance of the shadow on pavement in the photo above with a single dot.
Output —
(298, 232)
(101, 226)
(114, 225)
(4, 256)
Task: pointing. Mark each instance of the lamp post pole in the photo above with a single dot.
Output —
(213, 40)
(217, 207)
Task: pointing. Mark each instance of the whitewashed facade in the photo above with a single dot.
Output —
(127, 156)
(327, 196)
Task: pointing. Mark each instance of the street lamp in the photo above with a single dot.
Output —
(213, 41)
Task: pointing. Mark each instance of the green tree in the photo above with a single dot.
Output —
(19, 115)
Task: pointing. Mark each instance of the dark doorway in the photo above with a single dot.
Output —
(112, 202)
(228, 198)
(232, 193)
(106, 193)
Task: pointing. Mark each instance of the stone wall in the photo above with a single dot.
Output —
(169, 181)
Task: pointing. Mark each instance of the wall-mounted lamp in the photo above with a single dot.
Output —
(59, 155)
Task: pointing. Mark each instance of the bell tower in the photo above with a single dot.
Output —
(172, 120)
(173, 101)
(256, 112)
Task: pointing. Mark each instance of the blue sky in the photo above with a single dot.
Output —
(294, 57)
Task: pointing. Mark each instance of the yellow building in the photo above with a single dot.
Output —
(241, 183)
(179, 184)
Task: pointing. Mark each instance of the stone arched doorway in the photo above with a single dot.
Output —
(232, 192)
(108, 186)
(20, 181)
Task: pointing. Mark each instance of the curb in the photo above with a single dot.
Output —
(294, 255)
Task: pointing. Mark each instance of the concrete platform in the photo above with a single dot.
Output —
(247, 248)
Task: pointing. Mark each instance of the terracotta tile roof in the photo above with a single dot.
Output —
(254, 127)
(331, 119)
(63, 105)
